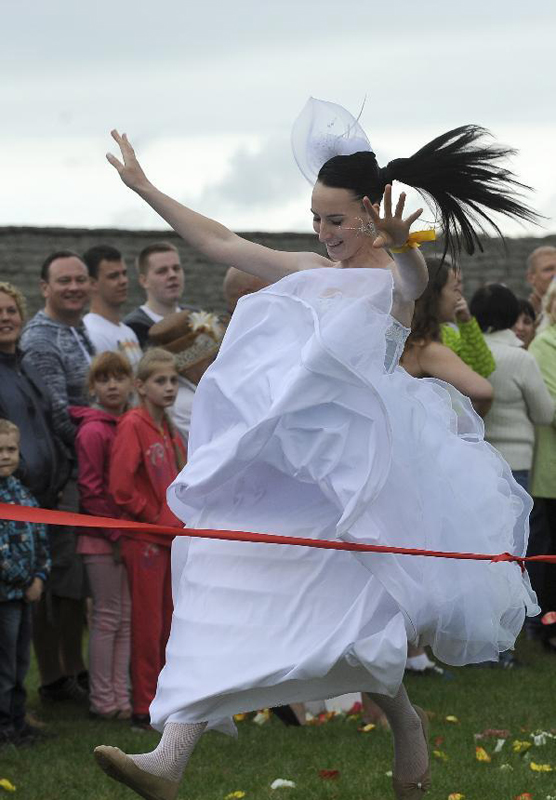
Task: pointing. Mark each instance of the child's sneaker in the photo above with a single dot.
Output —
(64, 689)
(29, 735)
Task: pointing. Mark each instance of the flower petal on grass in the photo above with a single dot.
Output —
(456, 796)
(541, 767)
(262, 716)
(524, 796)
(541, 738)
(440, 755)
(499, 745)
(235, 795)
(6, 785)
(520, 746)
(282, 783)
(482, 755)
(438, 741)
(493, 733)
(367, 728)
(329, 774)
(452, 719)
(506, 766)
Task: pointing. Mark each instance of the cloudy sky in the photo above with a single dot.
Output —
(207, 92)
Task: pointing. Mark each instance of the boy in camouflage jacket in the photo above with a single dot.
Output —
(24, 567)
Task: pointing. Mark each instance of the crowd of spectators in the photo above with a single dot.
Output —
(94, 417)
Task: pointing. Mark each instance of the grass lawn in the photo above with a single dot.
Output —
(521, 701)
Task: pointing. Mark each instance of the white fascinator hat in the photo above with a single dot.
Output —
(324, 130)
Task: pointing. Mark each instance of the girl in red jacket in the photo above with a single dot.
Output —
(146, 457)
(109, 383)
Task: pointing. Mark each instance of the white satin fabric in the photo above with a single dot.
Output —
(304, 426)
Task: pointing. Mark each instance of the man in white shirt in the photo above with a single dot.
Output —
(161, 276)
(109, 283)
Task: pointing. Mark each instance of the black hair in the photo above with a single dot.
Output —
(495, 307)
(525, 307)
(463, 177)
(45, 266)
(100, 252)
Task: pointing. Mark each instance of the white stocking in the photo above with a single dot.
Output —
(410, 748)
(170, 758)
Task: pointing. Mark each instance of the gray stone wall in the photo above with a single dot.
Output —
(23, 249)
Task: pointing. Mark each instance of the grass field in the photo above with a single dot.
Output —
(521, 701)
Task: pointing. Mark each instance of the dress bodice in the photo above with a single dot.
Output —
(396, 336)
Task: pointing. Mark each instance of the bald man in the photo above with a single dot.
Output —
(541, 269)
(237, 284)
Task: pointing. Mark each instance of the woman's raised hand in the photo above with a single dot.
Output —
(130, 170)
(392, 230)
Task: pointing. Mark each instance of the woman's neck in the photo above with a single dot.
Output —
(368, 257)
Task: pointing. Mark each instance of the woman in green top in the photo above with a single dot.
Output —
(463, 335)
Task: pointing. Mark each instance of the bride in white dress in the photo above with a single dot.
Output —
(306, 426)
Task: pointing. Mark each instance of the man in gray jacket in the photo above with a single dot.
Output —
(55, 341)
(56, 344)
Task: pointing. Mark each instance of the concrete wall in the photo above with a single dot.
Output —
(23, 249)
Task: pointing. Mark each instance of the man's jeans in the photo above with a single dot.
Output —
(15, 650)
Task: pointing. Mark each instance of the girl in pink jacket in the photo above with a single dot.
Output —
(110, 384)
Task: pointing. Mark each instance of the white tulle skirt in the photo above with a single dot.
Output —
(298, 429)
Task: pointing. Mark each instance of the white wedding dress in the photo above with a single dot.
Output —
(305, 426)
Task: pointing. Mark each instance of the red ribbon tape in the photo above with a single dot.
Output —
(8, 511)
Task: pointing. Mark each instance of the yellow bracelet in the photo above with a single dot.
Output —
(414, 240)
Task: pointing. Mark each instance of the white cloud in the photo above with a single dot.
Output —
(262, 177)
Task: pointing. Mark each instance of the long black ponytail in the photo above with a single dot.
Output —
(462, 177)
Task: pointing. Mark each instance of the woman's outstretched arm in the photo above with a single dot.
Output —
(209, 237)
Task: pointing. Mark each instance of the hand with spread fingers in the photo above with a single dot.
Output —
(130, 170)
(392, 230)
